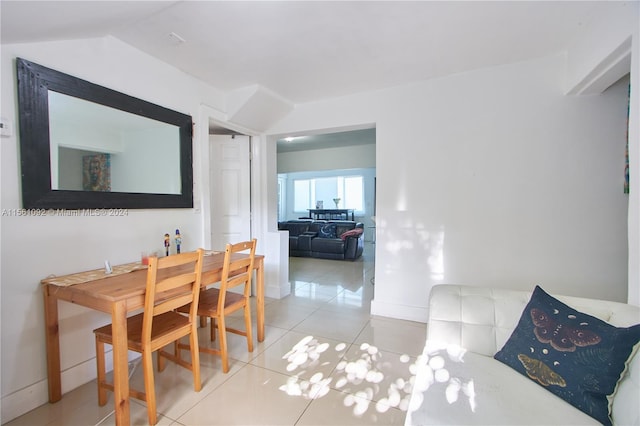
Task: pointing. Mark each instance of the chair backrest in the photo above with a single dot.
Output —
(172, 282)
(236, 270)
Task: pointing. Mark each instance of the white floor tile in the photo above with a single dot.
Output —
(382, 376)
(302, 355)
(405, 337)
(251, 396)
(344, 326)
(337, 408)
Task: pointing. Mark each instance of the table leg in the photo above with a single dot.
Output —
(52, 336)
(120, 364)
(260, 297)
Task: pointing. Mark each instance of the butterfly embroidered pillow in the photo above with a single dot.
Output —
(576, 356)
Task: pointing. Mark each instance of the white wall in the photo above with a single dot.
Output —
(492, 177)
(35, 247)
(606, 49)
(348, 157)
(634, 161)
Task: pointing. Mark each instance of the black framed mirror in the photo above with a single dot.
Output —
(85, 146)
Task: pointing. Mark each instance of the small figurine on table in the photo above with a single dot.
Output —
(167, 243)
(178, 240)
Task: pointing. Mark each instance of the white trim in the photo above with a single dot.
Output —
(31, 397)
(607, 72)
(24, 400)
(405, 312)
(202, 162)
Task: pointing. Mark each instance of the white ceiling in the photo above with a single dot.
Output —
(311, 50)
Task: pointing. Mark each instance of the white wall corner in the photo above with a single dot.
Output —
(277, 265)
(613, 67)
(634, 184)
(256, 107)
(601, 55)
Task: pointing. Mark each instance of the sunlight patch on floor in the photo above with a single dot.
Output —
(365, 370)
(431, 369)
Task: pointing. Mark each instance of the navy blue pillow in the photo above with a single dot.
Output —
(328, 231)
(576, 356)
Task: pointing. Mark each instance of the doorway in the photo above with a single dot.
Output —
(229, 178)
(336, 169)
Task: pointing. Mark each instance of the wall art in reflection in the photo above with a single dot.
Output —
(96, 172)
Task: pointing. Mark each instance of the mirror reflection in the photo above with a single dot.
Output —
(98, 148)
(85, 146)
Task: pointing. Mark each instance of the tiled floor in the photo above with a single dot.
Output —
(325, 361)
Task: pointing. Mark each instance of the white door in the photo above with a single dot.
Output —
(230, 178)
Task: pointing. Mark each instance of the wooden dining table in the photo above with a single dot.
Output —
(119, 294)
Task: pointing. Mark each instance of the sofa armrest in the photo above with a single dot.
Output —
(354, 246)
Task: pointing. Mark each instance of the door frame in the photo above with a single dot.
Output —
(202, 185)
(272, 243)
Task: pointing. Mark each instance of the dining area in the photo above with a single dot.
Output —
(158, 308)
(299, 375)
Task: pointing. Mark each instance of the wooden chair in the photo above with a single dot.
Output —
(218, 303)
(172, 282)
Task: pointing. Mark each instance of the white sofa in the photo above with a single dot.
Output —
(458, 381)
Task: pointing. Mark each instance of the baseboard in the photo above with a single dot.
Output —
(31, 397)
(24, 400)
(403, 312)
(277, 292)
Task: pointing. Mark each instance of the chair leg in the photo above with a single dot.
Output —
(213, 329)
(247, 324)
(100, 364)
(149, 387)
(223, 344)
(176, 348)
(195, 359)
(160, 360)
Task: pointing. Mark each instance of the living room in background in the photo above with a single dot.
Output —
(319, 154)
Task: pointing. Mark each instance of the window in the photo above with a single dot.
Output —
(350, 190)
(302, 195)
(282, 192)
(354, 193)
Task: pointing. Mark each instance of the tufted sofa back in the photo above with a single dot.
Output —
(481, 319)
(343, 226)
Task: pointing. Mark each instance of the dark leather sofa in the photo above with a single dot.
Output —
(325, 239)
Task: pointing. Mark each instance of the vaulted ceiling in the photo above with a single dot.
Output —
(305, 51)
